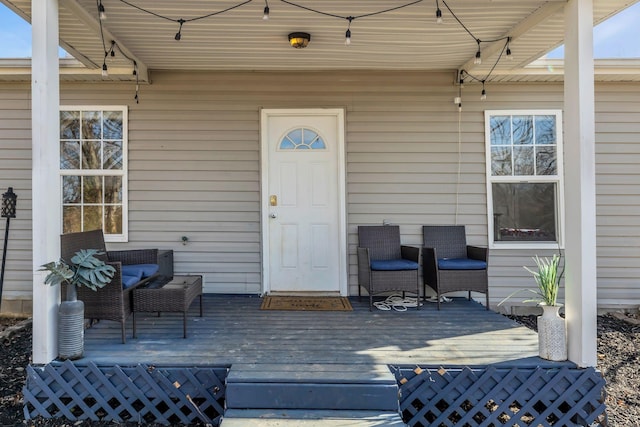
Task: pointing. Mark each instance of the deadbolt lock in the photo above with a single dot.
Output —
(273, 200)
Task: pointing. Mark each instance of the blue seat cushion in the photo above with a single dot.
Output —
(129, 281)
(393, 265)
(461, 264)
(145, 270)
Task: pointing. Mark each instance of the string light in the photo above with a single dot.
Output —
(135, 73)
(182, 21)
(464, 73)
(478, 59)
(478, 56)
(112, 52)
(178, 35)
(102, 14)
(350, 18)
(347, 36)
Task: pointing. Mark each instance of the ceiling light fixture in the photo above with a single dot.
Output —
(299, 40)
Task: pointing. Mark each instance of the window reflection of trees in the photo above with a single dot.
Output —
(514, 154)
(501, 161)
(524, 146)
(545, 129)
(546, 161)
(523, 161)
(69, 125)
(500, 130)
(522, 130)
(92, 140)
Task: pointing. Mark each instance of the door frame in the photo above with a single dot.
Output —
(339, 114)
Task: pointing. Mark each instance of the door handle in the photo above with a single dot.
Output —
(273, 215)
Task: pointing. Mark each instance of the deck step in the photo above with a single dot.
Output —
(308, 418)
(312, 386)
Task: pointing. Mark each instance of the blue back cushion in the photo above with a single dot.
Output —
(393, 265)
(129, 280)
(461, 264)
(145, 270)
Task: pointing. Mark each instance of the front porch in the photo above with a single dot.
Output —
(234, 330)
(320, 361)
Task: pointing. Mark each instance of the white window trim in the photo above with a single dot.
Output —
(560, 215)
(124, 172)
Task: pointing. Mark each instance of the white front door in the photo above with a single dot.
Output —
(304, 238)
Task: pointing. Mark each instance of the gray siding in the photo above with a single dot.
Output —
(194, 167)
(618, 193)
(15, 171)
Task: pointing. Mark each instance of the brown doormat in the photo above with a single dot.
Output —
(306, 303)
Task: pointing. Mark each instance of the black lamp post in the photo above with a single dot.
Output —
(8, 211)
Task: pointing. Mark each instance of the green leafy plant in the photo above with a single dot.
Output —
(84, 270)
(547, 277)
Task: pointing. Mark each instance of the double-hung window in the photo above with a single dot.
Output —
(93, 169)
(524, 178)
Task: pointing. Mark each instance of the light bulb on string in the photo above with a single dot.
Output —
(265, 15)
(105, 70)
(179, 33)
(101, 12)
(438, 13)
(347, 35)
(478, 59)
(508, 51)
(483, 94)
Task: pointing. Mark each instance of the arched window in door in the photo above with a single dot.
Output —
(302, 139)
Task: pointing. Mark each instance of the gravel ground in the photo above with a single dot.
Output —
(618, 360)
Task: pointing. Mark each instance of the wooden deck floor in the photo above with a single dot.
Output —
(235, 330)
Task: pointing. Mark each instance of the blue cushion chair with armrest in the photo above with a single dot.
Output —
(384, 264)
(450, 265)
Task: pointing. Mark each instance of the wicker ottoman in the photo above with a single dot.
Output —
(175, 296)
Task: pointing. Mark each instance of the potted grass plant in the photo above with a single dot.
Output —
(552, 340)
(84, 269)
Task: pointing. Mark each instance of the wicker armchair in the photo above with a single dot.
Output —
(111, 302)
(384, 264)
(450, 265)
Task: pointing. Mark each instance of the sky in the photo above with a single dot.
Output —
(615, 38)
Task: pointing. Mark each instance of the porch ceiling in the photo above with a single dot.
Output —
(404, 39)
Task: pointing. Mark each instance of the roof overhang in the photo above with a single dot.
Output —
(406, 38)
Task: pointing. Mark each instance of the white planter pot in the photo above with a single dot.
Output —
(71, 326)
(552, 334)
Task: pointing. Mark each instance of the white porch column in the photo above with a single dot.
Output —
(46, 214)
(580, 188)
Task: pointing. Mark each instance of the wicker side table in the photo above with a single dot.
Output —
(175, 296)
